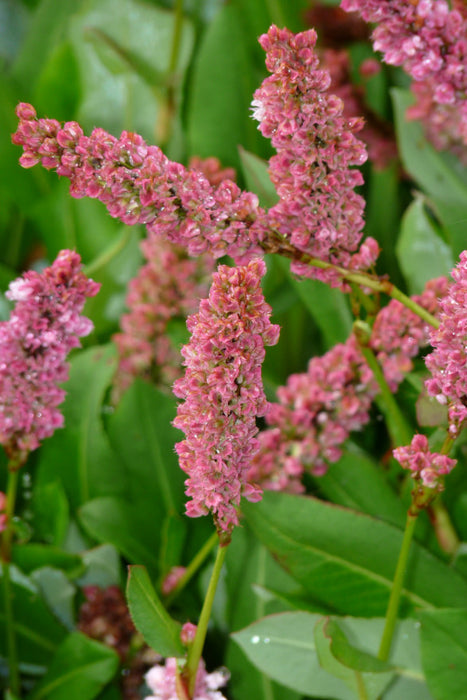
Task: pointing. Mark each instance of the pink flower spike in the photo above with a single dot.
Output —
(44, 326)
(313, 172)
(162, 681)
(425, 466)
(223, 392)
(448, 361)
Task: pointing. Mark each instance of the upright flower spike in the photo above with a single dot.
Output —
(428, 38)
(44, 326)
(223, 393)
(318, 211)
(448, 361)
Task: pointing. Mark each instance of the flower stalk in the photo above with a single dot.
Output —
(196, 649)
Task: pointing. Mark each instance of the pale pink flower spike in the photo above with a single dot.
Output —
(223, 393)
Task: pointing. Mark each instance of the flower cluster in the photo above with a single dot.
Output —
(398, 333)
(316, 412)
(167, 288)
(44, 326)
(138, 184)
(223, 392)
(425, 466)
(318, 210)
(375, 133)
(428, 39)
(448, 361)
(318, 409)
(162, 681)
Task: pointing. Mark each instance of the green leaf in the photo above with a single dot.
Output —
(444, 652)
(103, 567)
(149, 615)
(357, 481)
(38, 633)
(121, 523)
(57, 592)
(51, 512)
(221, 91)
(126, 47)
(34, 555)
(141, 432)
(78, 671)
(439, 174)
(91, 468)
(249, 565)
(346, 559)
(283, 647)
(256, 174)
(421, 252)
(357, 669)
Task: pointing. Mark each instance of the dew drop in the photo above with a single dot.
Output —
(266, 640)
(255, 639)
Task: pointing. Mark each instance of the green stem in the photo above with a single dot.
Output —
(401, 433)
(276, 244)
(195, 651)
(7, 539)
(111, 252)
(394, 599)
(193, 567)
(362, 694)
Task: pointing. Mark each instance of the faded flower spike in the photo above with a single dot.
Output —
(223, 392)
(44, 326)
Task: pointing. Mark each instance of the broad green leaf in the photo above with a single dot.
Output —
(123, 50)
(357, 669)
(38, 633)
(58, 593)
(439, 174)
(34, 555)
(356, 481)
(283, 646)
(103, 567)
(141, 432)
(255, 172)
(151, 619)
(346, 559)
(221, 91)
(56, 92)
(80, 456)
(421, 252)
(121, 523)
(79, 670)
(249, 565)
(51, 512)
(444, 651)
(49, 20)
